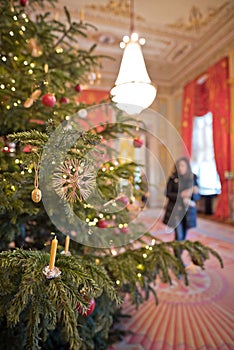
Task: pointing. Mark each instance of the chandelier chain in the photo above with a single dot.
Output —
(131, 16)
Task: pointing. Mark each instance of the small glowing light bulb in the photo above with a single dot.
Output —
(126, 39)
(142, 41)
(134, 37)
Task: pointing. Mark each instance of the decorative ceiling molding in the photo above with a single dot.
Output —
(179, 52)
(105, 38)
(199, 69)
(173, 53)
(119, 8)
(196, 21)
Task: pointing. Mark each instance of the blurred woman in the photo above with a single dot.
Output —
(182, 193)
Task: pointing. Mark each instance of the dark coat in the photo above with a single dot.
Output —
(176, 211)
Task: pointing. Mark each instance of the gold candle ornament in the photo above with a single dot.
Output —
(53, 251)
(82, 15)
(67, 241)
(46, 68)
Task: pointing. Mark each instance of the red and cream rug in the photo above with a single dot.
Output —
(195, 317)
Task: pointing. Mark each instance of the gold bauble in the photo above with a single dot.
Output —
(36, 195)
(140, 267)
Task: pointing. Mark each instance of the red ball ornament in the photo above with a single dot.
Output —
(27, 149)
(124, 230)
(137, 143)
(124, 199)
(102, 224)
(77, 87)
(48, 100)
(90, 309)
(23, 2)
(99, 129)
(64, 100)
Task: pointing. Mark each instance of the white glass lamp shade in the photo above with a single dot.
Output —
(133, 90)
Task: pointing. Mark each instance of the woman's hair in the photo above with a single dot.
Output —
(189, 173)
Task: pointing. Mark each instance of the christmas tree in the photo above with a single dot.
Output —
(58, 293)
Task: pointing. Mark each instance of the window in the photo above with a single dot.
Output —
(203, 161)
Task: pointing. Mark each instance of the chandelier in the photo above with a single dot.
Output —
(133, 91)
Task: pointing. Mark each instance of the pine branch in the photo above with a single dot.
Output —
(29, 137)
(43, 303)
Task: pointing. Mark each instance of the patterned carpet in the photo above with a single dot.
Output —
(197, 317)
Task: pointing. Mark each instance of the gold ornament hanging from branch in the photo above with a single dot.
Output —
(34, 48)
(30, 100)
(36, 193)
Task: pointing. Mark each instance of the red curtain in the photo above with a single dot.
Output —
(219, 105)
(91, 96)
(188, 114)
(201, 104)
(211, 94)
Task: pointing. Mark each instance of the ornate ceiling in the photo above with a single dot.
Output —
(183, 37)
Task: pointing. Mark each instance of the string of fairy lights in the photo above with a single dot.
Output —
(18, 61)
(139, 267)
(19, 33)
(16, 33)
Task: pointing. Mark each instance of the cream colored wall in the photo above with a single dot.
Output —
(165, 148)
